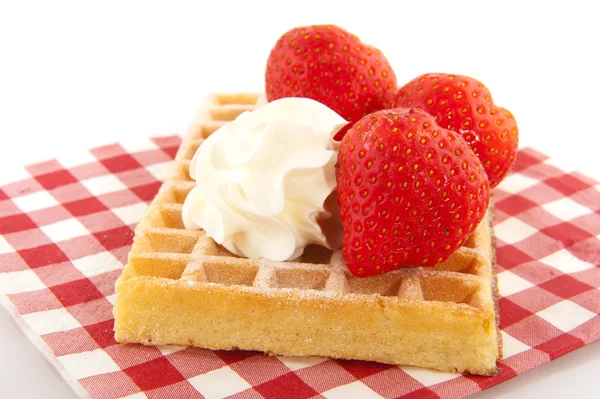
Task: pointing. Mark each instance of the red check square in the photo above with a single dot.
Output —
(361, 369)
(14, 223)
(567, 184)
(115, 238)
(423, 393)
(85, 206)
(43, 255)
(120, 163)
(102, 333)
(566, 286)
(288, 385)
(511, 313)
(515, 204)
(230, 357)
(567, 233)
(147, 192)
(3, 195)
(76, 292)
(560, 345)
(509, 256)
(56, 179)
(154, 374)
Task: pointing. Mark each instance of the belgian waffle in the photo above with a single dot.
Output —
(180, 287)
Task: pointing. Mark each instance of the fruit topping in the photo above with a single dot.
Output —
(330, 65)
(464, 105)
(410, 192)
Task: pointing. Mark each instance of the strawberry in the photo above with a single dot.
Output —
(330, 65)
(465, 105)
(410, 192)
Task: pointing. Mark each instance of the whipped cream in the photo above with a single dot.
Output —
(265, 182)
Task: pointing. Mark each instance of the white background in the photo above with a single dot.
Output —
(77, 74)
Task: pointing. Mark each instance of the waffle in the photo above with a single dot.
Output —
(180, 287)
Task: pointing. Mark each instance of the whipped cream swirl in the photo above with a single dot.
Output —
(265, 182)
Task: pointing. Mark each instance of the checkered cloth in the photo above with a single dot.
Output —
(67, 225)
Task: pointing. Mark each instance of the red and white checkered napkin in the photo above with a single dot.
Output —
(67, 226)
